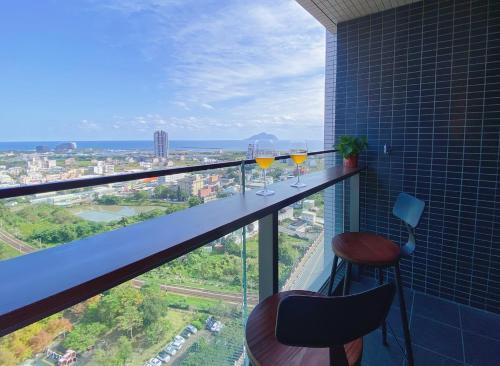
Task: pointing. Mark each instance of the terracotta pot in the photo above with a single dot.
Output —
(351, 161)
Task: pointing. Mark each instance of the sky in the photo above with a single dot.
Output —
(199, 69)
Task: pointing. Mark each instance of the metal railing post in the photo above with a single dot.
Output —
(354, 213)
(354, 203)
(244, 309)
(268, 255)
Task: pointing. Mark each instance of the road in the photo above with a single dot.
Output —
(15, 243)
(309, 268)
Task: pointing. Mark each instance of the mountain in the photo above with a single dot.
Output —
(262, 136)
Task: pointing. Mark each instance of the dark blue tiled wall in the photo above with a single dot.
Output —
(424, 79)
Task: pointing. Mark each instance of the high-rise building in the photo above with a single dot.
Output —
(161, 144)
(250, 151)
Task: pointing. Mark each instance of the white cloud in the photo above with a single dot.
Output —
(207, 106)
(259, 64)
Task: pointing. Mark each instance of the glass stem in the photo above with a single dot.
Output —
(265, 181)
(298, 174)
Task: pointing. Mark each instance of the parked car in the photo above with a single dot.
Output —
(163, 356)
(192, 329)
(155, 361)
(171, 350)
(210, 321)
(178, 338)
(147, 364)
(185, 334)
(216, 327)
(177, 345)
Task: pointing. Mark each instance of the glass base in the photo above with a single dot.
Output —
(265, 192)
(298, 185)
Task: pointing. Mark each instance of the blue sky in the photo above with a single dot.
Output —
(118, 69)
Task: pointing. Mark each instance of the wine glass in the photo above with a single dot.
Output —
(298, 153)
(264, 153)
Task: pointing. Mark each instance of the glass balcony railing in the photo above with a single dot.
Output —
(157, 290)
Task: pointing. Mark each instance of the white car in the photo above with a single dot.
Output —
(180, 339)
(170, 349)
(155, 361)
(191, 328)
(216, 327)
(177, 345)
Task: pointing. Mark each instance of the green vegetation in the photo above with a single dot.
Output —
(351, 145)
(171, 193)
(34, 338)
(6, 251)
(194, 201)
(45, 225)
(224, 349)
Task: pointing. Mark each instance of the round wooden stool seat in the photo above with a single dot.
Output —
(264, 349)
(366, 248)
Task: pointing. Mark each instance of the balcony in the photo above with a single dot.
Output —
(421, 80)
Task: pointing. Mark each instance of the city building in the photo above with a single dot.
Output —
(161, 144)
(285, 213)
(308, 204)
(192, 184)
(308, 216)
(250, 151)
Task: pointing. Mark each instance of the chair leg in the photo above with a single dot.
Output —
(404, 316)
(332, 275)
(347, 279)
(384, 325)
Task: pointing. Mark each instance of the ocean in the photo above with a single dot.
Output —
(147, 145)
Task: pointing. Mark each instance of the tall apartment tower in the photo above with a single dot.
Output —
(161, 144)
(250, 152)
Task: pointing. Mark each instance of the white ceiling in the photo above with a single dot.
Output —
(331, 12)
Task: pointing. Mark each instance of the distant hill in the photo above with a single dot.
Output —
(262, 136)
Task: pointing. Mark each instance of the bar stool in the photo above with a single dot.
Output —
(295, 328)
(370, 249)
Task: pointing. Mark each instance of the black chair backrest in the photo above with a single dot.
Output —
(321, 321)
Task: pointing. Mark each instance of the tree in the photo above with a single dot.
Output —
(154, 332)
(194, 201)
(181, 195)
(232, 247)
(118, 300)
(287, 254)
(124, 350)
(109, 200)
(140, 196)
(83, 336)
(129, 319)
(39, 342)
(153, 306)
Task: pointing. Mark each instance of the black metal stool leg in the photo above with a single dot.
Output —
(404, 316)
(384, 325)
(332, 274)
(347, 279)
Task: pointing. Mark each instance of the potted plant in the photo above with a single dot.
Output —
(350, 147)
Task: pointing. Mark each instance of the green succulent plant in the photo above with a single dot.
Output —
(349, 146)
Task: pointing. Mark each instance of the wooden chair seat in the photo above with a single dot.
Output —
(264, 349)
(366, 248)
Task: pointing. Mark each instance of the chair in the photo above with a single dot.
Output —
(305, 328)
(374, 250)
